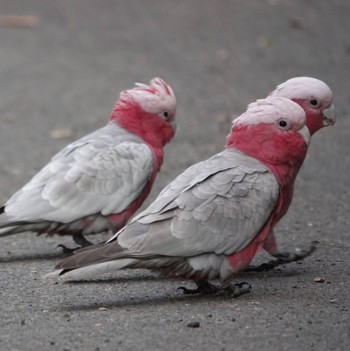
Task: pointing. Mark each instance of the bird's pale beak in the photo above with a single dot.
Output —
(305, 133)
(329, 116)
(174, 126)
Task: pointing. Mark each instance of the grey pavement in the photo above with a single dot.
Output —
(61, 71)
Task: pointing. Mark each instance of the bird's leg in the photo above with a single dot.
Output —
(283, 258)
(81, 240)
(238, 289)
(204, 287)
(78, 239)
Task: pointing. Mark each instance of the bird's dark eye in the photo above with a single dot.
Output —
(314, 102)
(166, 114)
(283, 124)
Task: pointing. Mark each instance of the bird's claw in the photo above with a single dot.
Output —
(205, 288)
(202, 288)
(78, 239)
(283, 258)
(187, 291)
(238, 289)
(66, 250)
(81, 240)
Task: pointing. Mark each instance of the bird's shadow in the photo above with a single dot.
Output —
(145, 301)
(168, 298)
(120, 279)
(55, 248)
(32, 257)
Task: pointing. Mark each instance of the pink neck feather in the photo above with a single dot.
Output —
(283, 153)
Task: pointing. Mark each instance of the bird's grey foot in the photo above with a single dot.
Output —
(283, 258)
(238, 289)
(67, 250)
(78, 239)
(81, 240)
(205, 288)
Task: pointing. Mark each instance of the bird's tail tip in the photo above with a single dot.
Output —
(90, 271)
(55, 275)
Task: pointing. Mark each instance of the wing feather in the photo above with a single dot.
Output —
(218, 205)
(101, 173)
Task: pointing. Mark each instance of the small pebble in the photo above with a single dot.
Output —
(319, 280)
(193, 325)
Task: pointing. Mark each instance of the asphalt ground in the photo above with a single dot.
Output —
(62, 66)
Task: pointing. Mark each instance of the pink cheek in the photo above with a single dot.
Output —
(314, 123)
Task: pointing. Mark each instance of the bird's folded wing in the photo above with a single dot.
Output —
(104, 172)
(218, 205)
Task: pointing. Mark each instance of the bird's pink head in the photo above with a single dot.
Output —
(314, 96)
(147, 111)
(273, 131)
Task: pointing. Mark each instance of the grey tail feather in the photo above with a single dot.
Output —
(98, 254)
(92, 261)
(84, 257)
(90, 271)
(5, 227)
(9, 230)
(15, 227)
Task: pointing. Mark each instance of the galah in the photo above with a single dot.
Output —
(315, 97)
(210, 221)
(96, 183)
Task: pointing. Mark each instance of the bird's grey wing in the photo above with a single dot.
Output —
(218, 205)
(101, 173)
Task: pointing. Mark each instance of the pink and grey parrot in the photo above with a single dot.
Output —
(315, 97)
(210, 221)
(96, 183)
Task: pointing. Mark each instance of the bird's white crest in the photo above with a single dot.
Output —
(304, 88)
(270, 110)
(153, 98)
